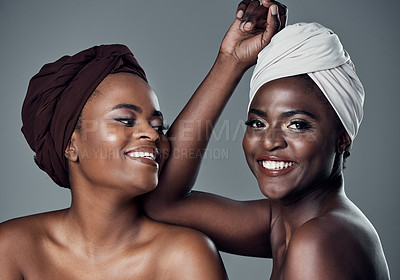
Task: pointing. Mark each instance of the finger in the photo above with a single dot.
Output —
(273, 25)
(242, 8)
(283, 10)
(252, 15)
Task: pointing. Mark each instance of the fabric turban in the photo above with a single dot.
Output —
(56, 97)
(310, 48)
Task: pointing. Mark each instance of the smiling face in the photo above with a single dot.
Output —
(119, 140)
(292, 138)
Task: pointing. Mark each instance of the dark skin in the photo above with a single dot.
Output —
(310, 211)
(295, 150)
(113, 158)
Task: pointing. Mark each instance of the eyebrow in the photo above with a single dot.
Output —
(257, 112)
(298, 112)
(285, 114)
(137, 109)
(128, 106)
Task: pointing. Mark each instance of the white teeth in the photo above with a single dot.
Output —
(142, 155)
(276, 165)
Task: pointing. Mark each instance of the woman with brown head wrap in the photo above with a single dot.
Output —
(95, 126)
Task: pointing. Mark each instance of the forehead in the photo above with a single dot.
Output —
(125, 88)
(297, 92)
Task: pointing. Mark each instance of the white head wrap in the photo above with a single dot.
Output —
(310, 48)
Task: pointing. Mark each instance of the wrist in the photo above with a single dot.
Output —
(230, 62)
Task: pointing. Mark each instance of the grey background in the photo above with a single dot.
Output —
(176, 42)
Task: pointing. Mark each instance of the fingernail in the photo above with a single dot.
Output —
(247, 25)
(274, 10)
(239, 14)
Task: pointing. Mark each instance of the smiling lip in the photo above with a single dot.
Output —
(274, 166)
(146, 155)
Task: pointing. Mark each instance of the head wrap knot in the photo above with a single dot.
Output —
(310, 48)
(57, 95)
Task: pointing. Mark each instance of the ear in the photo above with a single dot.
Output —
(71, 152)
(343, 143)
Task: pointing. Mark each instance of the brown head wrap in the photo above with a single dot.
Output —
(56, 97)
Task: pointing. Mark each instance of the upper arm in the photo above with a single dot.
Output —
(193, 256)
(238, 227)
(8, 261)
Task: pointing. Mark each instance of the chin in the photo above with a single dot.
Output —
(271, 194)
(273, 190)
(148, 186)
(138, 186)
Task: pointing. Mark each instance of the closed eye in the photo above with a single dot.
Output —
(161, 128)
(126, 121)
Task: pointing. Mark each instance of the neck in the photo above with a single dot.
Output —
(102, 218)
(312, 204)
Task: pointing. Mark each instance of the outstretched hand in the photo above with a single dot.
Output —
(252, 30)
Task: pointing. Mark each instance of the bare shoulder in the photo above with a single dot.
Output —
(188, 254)
(10, 233)
(15, 241)
(15, 232)
(339, 245)
(19, 239)
(27, 225)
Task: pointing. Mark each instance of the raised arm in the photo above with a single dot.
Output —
(236, 227)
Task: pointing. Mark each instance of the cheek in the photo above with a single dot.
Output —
(115, 133)
(304, 147)
(105, 140)
(101, 132)
(246, 144)
(250, 144)
(314, 151)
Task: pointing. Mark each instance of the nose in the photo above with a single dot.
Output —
(273, 139)
(147, 132)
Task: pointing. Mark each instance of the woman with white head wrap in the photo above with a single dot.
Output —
(310, 48)
(305, 110)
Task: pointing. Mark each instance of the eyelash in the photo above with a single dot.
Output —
(254, 124)
(126, 121)
(161, 128)
(131, 122)
(299, 124)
